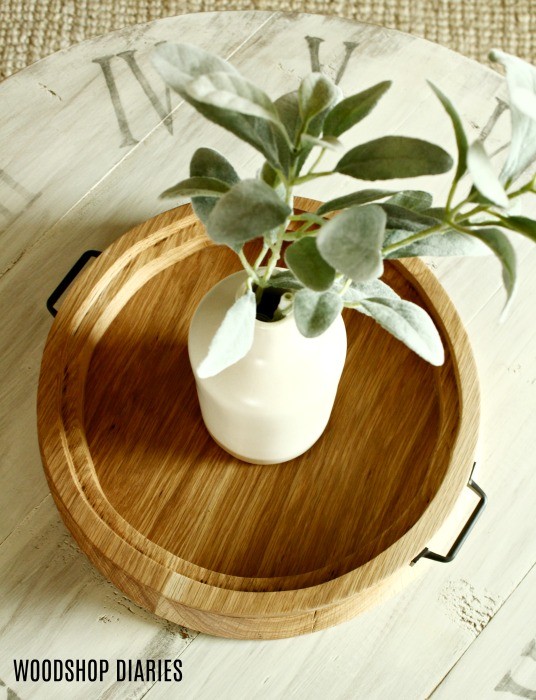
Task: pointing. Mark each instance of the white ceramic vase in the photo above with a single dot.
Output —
(274, 403)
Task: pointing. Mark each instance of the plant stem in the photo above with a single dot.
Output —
(261, 256)
(274, 258)
(317, 161)
(527, 187)
(451, 195)
(251, 272)
(345, 286)
(312, 176)
(308, 218)
(479, 224)
(415, 237)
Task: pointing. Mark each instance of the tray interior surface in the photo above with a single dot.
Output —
(354, 493)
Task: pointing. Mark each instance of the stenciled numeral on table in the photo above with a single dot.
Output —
(14, 197)
(8, 693)
(508, 685)
(162, 108)
(313, 42)
(494, 118)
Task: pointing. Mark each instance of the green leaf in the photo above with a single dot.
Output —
(406, 219)
(484, 176)
(197, 187)
(288, 109)
(314, 312)
(270, 177)
(358, 291)
(459, 132)
(233, 93)
(447, 243)
(314, 128)
(308, 265)
(316, 94)
(499, 243)
(393, 157)
(285, 279)
(263, 135)
(233, 339)
(436, 213)
(350, 200)
(249, 209)
(351, 242)
(415, 200)
(409, 323)
(520, 78)
(353, 109)
(521, 224)
(207, 162)
(181, 64)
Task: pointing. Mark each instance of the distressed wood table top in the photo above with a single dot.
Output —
(89, 138)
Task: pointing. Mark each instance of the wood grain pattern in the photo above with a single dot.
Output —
(132, 467)
(507, 669)
(67, 148)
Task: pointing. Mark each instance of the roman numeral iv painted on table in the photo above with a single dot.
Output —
(161, 107)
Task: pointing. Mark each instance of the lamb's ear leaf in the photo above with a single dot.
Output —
(233, 339)
(285, 279)
(197, 187)
(268, 175)
(233, 93)
(521, 80)
(249, 209)
(288, 109)
(459, 131)
(499, 243)
(308, 265)
(393, 157)
(206, 162)
(484, 176)
(414, 200)
(181, 64)
(316, 94)
(350, 200)
(406, 219)
(358, 291)
(351, 242)
(447, 243)
(409, 323)
(521, 224)
(314, 312)
(353, 109)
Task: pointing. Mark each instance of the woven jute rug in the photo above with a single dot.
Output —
(31, 29)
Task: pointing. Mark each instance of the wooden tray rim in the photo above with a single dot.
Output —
(153, 566)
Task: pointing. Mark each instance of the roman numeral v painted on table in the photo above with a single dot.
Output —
(161, 107)
(313, 42)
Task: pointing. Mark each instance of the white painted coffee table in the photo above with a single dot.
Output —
(89, 138)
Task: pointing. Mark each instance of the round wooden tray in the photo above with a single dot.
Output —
(203, 539)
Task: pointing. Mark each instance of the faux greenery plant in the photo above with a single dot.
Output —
(336, 262)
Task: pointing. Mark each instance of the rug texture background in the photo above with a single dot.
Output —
(32, 29)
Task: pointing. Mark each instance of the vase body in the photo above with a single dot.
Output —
(274, 403)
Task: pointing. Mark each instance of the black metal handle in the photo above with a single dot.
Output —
(69, 277)
(464, 534)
